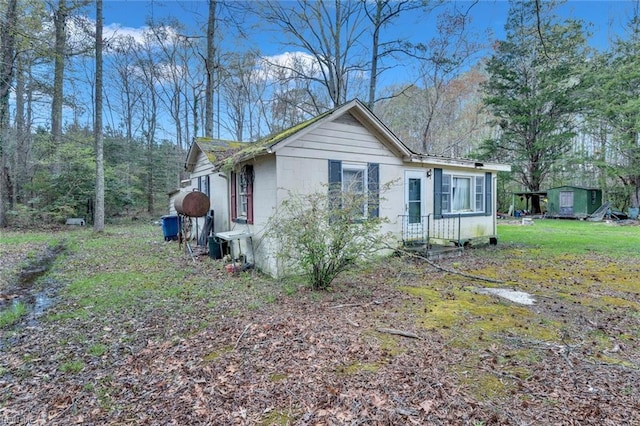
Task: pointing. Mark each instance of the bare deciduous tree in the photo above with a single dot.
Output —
(210, 66)
(98, 219)
(382, 13)
(60, 15)
(8, 54)
(329, 32)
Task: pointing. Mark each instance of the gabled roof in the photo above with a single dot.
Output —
(226, 154)
(215, 150)
(357, 109)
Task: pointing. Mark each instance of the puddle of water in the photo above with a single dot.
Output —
(37, 302)
(38, 298)
(513, 295)
(41, 303)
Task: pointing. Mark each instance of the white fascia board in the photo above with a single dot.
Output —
(453, 162)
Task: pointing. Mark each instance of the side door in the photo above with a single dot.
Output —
(414, 207)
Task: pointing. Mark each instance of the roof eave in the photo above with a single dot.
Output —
(192, 157)
(453, 162)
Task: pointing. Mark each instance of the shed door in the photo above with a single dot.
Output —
(566, 203)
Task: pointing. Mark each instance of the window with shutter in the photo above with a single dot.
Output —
(359, 179)
(461, 192)
(242, 195)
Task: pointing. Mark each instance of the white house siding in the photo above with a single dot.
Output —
(217, 193)
(219, 199)
(301, 167)
(472, 226)
(257, 249)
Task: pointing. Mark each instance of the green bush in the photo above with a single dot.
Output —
(322, 238)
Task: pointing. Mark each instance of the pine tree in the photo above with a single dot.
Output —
(615, 102)
(534, 92)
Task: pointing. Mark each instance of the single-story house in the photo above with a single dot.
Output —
(573, 201)
(430, 199)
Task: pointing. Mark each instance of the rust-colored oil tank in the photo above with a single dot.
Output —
(193, 204)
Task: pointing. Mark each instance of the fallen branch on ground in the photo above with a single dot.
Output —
(451, 271)
(352, 305)
(242, 334)
(398, 332)
(352, 322)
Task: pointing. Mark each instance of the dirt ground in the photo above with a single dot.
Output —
(396, 343)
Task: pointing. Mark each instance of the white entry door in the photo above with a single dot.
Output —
(414, 205)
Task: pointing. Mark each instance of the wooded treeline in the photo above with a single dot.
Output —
(540, 99)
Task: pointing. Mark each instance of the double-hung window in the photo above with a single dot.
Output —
(242, 195)
(462, 193)
(354, 178)
(203, 185)
(356, 184)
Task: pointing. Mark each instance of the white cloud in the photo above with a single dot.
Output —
(81, 33)
(113, 31)
(288, 65)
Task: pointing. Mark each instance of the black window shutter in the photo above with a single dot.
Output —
(373, 187)
(335, 183)
(488, 200)
(437, 193)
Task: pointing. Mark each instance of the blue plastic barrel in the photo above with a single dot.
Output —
(170, 227)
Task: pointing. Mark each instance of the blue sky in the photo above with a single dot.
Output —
(604, 15)
(130, 16)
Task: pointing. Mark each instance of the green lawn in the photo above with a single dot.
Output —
(558, 237)
(142, 333)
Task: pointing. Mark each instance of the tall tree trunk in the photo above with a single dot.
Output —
(59, 22)
(210, 68)
(98, 220)
(338, 77)
(373, 79)
(152, 121)
(7, 50)
(20, 162)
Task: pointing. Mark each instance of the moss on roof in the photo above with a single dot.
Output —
(254, 149)
(217, 149)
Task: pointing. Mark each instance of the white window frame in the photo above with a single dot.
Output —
(476, 198)
(242, 186)
(354, 167)
(203, 184)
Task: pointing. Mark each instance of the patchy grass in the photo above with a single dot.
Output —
(142, 333)
(12, 314)
(479, 315)
(584, 278)
(72, 367)
(97, 349)
(20, 249)
(277, 418)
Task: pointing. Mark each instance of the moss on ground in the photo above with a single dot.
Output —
(569, 290)
(479, 315)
